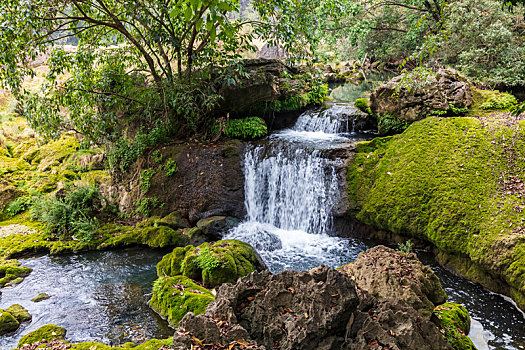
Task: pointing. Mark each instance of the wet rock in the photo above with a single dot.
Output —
(41, 297)
(320, 309)
(43, 334)
(174, 297)
(454, 320)
(174, 220)
(216, 226)
(212, 264)
(386, 273)
(441, 93)
(11, 270)
(8, 323)
(18, 312)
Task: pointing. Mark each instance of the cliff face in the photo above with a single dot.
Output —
(456, 183)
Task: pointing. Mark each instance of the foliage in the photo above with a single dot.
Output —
(504, 101)
(170, 168)
(145, 179)
(405, 247)
(390, 125)
(247, 129)
(157, 157)
(484, 40)
(363, 105)
(145, 206)
(69, 215)
(19, 205)
(206, 260)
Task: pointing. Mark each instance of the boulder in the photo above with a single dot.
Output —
(319, 309)
(43, 334)
(386, 273)
(270, 52)
(18, 312)
(174, 220)
(444, 93)
(174, 297)
(41, 297)
(212, 264)
(8, 323)
(216, 226)
(454, 320)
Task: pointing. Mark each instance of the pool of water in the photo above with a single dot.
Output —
(96, 296)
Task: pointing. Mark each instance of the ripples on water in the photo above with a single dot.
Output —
(98, 296)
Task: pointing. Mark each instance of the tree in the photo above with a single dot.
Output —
(139, 64)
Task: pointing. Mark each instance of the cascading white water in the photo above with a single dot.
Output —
(291, 189)
(336, 119)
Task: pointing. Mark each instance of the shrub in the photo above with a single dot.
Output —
(502, 101)
(170, 168)
(363, 106)
(145, 206)
(145, 179)
(19, 205)
(69, 215)
(390, 125)
(246, 129)
(405, 247)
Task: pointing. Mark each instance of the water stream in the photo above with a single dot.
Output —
(96, 296)
(292, 188)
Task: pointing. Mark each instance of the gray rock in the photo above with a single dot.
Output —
(447, 88)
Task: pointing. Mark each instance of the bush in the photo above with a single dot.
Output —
(502, 101)
(19, 205)
(391, 125)
(246, 129)
(145, 206)
(363, 106)
(69, 215)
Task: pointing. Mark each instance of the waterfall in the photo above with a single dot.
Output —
(291, 188)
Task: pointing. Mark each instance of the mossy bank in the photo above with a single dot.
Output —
(456, 183)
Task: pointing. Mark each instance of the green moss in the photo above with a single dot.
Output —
(40, 297)
(96, 177)
(174, 297)
(486, 102)
(54, 152)
(8, 322)
(18, 312)
(10, 270)
(245, 129)
(454, 320)
(153, 344)
(45, 333)
(155, 237)
(213, 264)
(449, 182)
(173, 220)
(363, 104)
(11, 165)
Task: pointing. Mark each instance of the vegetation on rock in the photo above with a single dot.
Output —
(454, 182)
(455, 321)
(174, 297)
(211, 263)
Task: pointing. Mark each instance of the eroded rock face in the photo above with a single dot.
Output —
(439, 95)
(320, 309)
(386, 273)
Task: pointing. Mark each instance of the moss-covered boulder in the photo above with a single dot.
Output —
(212, 264)
(54, 152)
(8, 323)
(216, 226)
(155, 237)
(44, 334)
(174, 220)
(457, 183)
(174, 297)
(454, 320)
(11, 270)
(18, 312)
(41, 297)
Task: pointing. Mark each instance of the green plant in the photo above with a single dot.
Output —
(157, 157)
(390, 125)
(170, 168)
(206, 261)
(503, 101)
(363, 106)
(71, 214)
(405, 247)
(458, 111)
(19, 205)
(145, 206)
(145, 179)
(246, 129)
